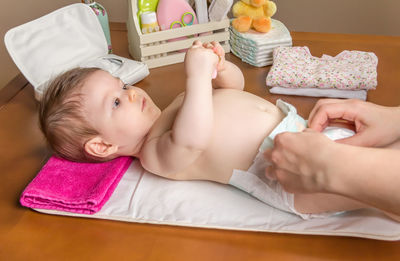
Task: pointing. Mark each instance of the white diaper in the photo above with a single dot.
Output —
(254, 182)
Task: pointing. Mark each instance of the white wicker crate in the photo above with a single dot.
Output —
(154, 48)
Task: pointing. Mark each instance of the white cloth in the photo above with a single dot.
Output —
(317, 92)
(219, 9)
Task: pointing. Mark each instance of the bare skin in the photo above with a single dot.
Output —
(204, 134)
(207, 132)
(374, 152)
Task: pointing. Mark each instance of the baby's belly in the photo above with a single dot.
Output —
(241, 122)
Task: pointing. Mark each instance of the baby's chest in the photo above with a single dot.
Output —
(240, 127)
(243, 117)
(239, 130)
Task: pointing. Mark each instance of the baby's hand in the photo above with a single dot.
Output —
(219, 51)
(200, 61)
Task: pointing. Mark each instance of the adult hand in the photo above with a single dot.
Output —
(301, 161)
(375, 125)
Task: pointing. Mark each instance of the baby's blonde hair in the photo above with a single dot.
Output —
(62, 119)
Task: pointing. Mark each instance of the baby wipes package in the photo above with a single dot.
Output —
(64, 39)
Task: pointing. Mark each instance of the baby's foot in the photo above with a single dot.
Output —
(219, 51)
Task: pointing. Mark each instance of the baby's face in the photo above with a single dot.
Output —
(123, 115)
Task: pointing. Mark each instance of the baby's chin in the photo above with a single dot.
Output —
(132, 150)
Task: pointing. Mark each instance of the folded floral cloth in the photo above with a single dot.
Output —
(295, 67)
(73, 186)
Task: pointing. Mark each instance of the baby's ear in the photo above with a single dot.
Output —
(99, 148)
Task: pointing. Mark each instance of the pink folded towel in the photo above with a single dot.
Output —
(74, 187)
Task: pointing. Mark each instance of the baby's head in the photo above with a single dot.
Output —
(87, 115)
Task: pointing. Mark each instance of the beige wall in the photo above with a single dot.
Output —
(339, 16)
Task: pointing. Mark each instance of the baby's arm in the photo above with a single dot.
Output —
(228, 74)
(191, 131)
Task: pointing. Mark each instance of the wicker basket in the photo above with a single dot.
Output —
(154, 48)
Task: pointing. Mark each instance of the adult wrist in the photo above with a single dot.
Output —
(333, 178)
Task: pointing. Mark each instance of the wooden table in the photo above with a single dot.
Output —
(28, 235)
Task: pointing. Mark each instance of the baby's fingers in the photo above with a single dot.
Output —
(196, 44)
(208, 45)
(218, 48)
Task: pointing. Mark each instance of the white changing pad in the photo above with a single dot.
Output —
(146, 198)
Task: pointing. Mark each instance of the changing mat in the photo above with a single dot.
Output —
(146, 198)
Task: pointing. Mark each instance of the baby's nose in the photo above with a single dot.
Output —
(131, 95)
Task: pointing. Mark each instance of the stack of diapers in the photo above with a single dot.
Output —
(256, 48)
(349, 74)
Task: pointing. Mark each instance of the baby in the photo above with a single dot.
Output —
(212, 131)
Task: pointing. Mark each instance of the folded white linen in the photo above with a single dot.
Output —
(317, 92)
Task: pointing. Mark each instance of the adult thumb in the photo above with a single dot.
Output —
(359, 139)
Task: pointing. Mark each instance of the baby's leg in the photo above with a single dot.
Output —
(315, 203)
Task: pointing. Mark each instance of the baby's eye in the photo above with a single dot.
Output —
(125, 87)
(117, 102)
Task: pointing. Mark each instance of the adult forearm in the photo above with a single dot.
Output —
(369, 175)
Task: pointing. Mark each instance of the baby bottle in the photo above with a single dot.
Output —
(149, 22)
(101, 14)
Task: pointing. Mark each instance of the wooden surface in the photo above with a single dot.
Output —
(28, 235)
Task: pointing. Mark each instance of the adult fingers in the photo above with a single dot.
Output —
(330, 111)
(359, 139)
(268, 155)
(320, 103)
(270, 172)
(289, 181)
(309, 130)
